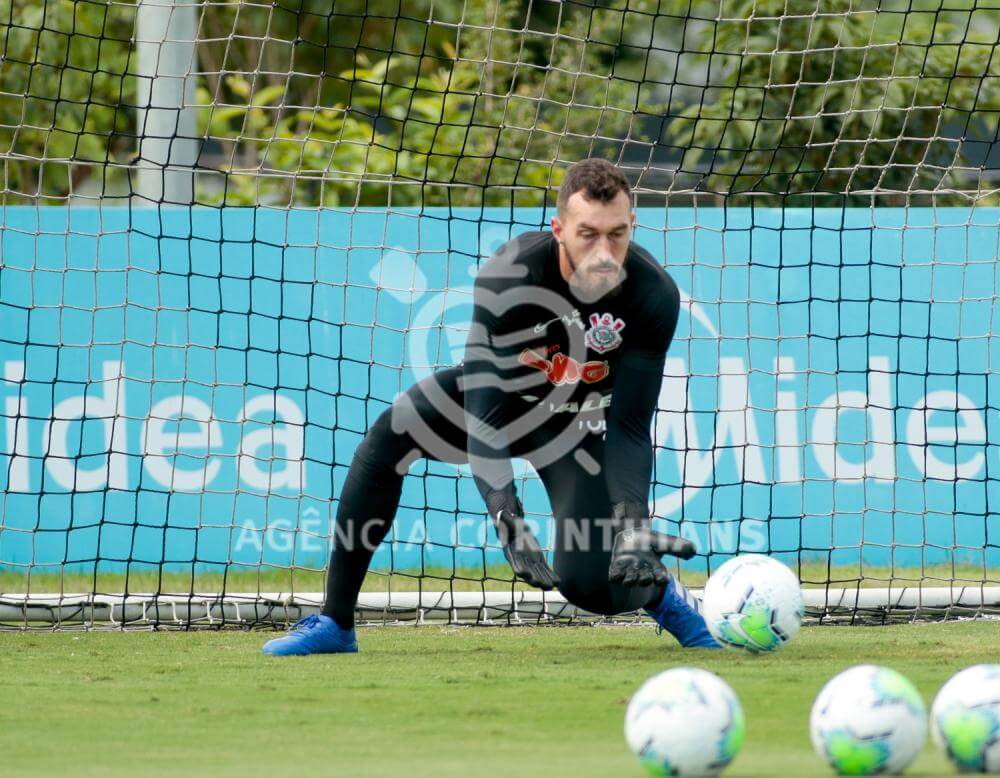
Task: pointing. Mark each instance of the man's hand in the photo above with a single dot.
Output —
(635, 557)
(520, 546)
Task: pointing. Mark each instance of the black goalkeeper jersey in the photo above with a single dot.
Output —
(537, 358)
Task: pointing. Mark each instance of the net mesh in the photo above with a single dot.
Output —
(232, 233)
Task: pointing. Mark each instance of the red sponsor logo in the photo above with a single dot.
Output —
(561, 369)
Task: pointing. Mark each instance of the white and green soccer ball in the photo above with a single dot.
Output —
(965, 719)
(685, 721)
(753, 602)
(868, 720)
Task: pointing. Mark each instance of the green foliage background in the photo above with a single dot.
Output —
(464, 103)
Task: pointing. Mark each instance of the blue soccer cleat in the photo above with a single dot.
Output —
(679, 613)
(317, 634)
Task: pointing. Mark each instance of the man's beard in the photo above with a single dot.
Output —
(589, 286)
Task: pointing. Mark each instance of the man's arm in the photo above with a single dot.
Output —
(488, 405)
(628, 461)
(629, 464)
(628, 467)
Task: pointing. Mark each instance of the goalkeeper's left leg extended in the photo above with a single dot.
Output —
(368, 503)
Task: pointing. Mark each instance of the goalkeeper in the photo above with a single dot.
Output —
(562, 367)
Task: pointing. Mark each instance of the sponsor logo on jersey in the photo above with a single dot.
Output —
(561, 369)
(569, 320)
(587, 406)
(604, 333)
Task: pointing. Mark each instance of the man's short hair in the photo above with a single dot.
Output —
(597, 178)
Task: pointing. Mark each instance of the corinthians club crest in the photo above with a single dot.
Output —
(604, 333)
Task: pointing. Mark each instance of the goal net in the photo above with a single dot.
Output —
(232, 232)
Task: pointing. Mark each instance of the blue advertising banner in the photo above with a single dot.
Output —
(188, 385)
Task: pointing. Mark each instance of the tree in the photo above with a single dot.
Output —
(65, 95)
(803, 96)
(306, 103)
(473, 107)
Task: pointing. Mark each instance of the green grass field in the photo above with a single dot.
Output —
(428, 701)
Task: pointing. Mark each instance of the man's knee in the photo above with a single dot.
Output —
(587, 587)
(384, 454)
(415, 427)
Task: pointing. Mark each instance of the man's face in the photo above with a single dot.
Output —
(594, 238)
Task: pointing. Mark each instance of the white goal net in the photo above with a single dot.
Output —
(232, 232)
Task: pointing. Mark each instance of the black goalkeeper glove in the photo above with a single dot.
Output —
(520, 546)
(635, 556)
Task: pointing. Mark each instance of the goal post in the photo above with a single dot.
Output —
(184, 383)
(167, 147)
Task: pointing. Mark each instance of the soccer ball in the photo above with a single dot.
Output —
(753, 602)
(685, 721)
(965, 719)
(868, 720)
